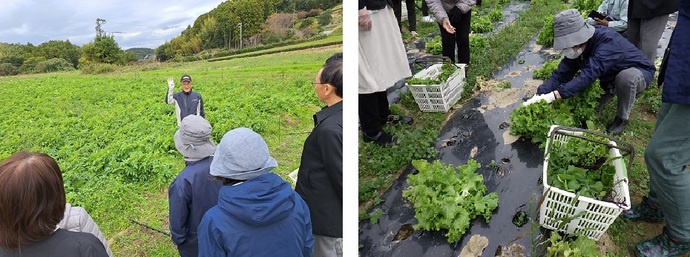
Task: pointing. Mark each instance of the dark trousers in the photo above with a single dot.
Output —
(373, 112)
(411, 16)
(425, 8)
(461, 22)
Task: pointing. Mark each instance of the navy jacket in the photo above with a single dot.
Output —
(320, 177)
(191, 194)
(607, 53)
(262, 216)
(677, 80)
(186, 104)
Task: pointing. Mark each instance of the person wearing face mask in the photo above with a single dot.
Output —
(597, 52)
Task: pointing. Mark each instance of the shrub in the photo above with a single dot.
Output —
(325, 18)
(302, 15)
(53, 65)
(306, 23)
(314, 12)
(7, 69)
(98, 68)
(277, 27)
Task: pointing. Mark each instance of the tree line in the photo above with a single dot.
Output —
(232, 24)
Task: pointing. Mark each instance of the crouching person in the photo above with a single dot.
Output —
(258, 213)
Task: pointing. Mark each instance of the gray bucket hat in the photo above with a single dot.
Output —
(570, 29)
(242, 155)
(193, 138)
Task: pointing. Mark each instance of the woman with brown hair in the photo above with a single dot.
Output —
(32, 203)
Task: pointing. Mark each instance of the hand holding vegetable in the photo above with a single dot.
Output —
(548, 97)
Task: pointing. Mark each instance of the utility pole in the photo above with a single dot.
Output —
(240, 35)
(99, 31)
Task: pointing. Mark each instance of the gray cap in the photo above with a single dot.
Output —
(242, 155)
(570, 29)
(186, 77)
(193, 138)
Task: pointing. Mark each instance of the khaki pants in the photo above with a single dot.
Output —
(667, 156)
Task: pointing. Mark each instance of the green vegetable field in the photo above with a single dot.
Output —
(112, 134)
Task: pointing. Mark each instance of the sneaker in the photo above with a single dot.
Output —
(413, 33)
(400, 119)
(427, 19)
(661, 246)
(382, 139)
(644, 212)
(617, 126)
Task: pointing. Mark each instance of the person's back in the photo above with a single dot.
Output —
(260, 217)
(32, 204)
(191, 194)
(193, 191)
(62, 243)
(258, 213)
(78, 220)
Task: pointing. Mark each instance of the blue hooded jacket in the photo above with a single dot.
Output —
(262, 216)
(607, 53)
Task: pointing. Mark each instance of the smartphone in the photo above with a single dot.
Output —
(598, 15)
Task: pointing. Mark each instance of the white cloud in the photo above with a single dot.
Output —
(142, 23)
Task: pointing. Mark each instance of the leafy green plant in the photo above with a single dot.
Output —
(533, 121)
(581, 167)
(447, 69)
(433, 46)
(375, 216)
(478, 41)
(481, 24)
(496, 14)
(580, 247)
(446, 197)
(545, 71)
(584, 6)
(545, 37)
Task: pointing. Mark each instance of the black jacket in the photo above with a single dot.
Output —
(374, 4)
(646, 9)
(320, 177)
(62, 243)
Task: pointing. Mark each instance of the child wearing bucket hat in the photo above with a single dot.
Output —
(258, 213)
(192, 192)
(597, 52)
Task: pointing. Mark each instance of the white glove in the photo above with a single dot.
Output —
(548, 97)
(171, 82)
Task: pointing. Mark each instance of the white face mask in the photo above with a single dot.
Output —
(570, 53)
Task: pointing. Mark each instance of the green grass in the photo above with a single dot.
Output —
(112, 134)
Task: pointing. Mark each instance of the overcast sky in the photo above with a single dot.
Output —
(142, 23)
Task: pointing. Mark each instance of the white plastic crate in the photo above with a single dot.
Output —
(439, 97)
(592, 217)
